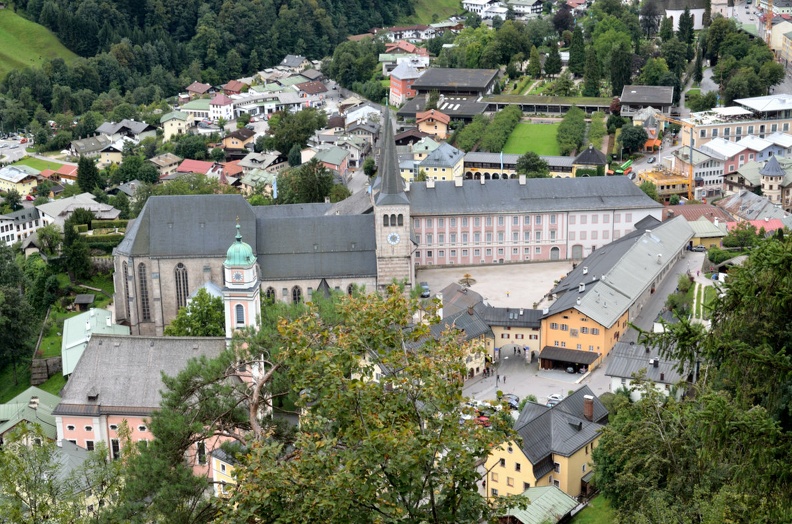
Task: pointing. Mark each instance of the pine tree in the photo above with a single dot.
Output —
(534, 63)
(706, 19)
(685, 31)
(667, 29)
(621, 69)
(553, 61)
(698, 72)
(87, 174)
(591, 76)
(577, 53)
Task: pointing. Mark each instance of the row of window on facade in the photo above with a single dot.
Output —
(477, 252)
(738, 130)
(488, 237)
(515, 220)
(520, 336)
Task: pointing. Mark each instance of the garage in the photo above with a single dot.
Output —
(552, 357)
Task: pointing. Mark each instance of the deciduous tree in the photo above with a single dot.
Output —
(204, 316)
(532, 166)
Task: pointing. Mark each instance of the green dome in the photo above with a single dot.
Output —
(240, 253)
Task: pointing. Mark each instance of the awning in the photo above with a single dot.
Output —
(652, 143)
(574, 356)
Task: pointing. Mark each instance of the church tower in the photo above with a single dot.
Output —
(392, 217)
(242, 287)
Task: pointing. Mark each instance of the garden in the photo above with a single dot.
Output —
(539, 138)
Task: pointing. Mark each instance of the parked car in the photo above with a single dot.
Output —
(651, 160)
(29, 198)
(551, 403)
(571, 370)
(425, 292)
(699, 249)
(23, 141)
(555, 396)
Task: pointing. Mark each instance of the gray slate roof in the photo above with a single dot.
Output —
(772, 168)
(750, 206)
(628, 359)
(445, 155)
(511, 317)
(133, 126)
(471, 324)
(90, 145)
(618, 273)
(443, 79)
(392, 184)
(647, 95)
(537, 195)
(591, 157)
(135, 382)
(458, 298)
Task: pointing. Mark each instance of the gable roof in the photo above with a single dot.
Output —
(591, 157)
(750, 206)
(174, 115)
(334, 155)
(405, 71)
(67, 170)
(221, 100)
(234, 85)
(432, 114)
(165, 160)
(647, 95)
(703, 228)
(693, 212)
(312, 74)
(14, 175)
(780, 139)
(467, 321)
(510, 317)
(457, 298)
(78, 330)
(242, 134)
(133, 126)
(293, 60)
(34, 406)
(311, 87)
(755, 143)
(135, 384)
(199, 88)
(628, 359)
(548, 504)
(445, 155)
(725, 148)
(195, 166)
(90, 145)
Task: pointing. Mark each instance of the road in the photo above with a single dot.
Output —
(11, 151)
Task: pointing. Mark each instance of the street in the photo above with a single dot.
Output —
(11, 151)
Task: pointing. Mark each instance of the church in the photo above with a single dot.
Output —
(179, 244)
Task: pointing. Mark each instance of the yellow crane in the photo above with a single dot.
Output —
(690, 127)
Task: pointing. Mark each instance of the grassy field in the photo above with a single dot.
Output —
(539, 138)
(8, 389)
(424, 9)
(597, 512)
(24, 43)
(36, 163)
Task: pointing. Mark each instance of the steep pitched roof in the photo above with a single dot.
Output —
(445, 156)
(221, 100)
(405, 71)
(293, 60)
(242, 134)
(591, 157)
(34, 406)
(174, 115)
(234, 85)
(627, 359)
(392, 185)
(432, 114)
(133, 126)
(199, 88)
(548, 504)
(772, 168)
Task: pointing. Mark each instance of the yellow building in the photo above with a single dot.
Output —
(593, 304)
(434, 123)
(706, 233)
(553, 447)
(12, 177)
(666, 183)
(222, 471)
(175, 123)
(445, 162)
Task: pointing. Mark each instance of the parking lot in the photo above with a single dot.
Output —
(11, 150)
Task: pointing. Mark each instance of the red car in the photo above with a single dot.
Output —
(483, 421)
(29, 198)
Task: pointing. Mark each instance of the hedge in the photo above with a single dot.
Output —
(101, 239)
(82, 228)
(110, 224)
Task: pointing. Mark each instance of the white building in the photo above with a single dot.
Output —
(628, 359)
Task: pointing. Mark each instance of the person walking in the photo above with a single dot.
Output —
(504, 379)
(497, 379)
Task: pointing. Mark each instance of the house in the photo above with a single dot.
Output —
(554, 449)
(412, 33)
(606, 290)
(335, 159)
(197, 109)
(166, 163)
(590, 159)
(635, 98)
(33, 406)
(234, 87)
(783, 142)
(773, 177)
(257, 181)
(222, 466)
(175, 123)
(444, 163)
(90, 146)
(197, 90)
(707, 233)
(95, 403)
(548, 505)
(127, 188)
(527, 8)
(762, 148)
(475, 335)
(312, 75)
(456, 82)
(707, 170)
(312, 88)
(58, 211)
(391, 61)
(434, 123)
(239, 139)
(368, 131)
(746, 205)
(17, 226)
(16, 179)
(67, 173)
(517, 326)
(667, 183)
(363, 114)
(630, 359)
(358, 148)
(196, 166)
(272, 162)
(113, 153)
(77, 331)
(295, 63)
(221, 107)
(476, 6)
(127, 128)
(409, 136)
(402, 79)
(405, 47)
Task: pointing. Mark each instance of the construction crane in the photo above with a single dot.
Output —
(769, 24)
(690, 127)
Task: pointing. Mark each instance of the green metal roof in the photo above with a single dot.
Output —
(174, 115)
(240, 253)
(334, 155)
(548, 504)
(19, 409)
(78, 329)
(292, 80)
(199, 104)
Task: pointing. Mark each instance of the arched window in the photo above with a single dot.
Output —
(393, 220)
(240, 315)
(296, 294)
(182, 290)
(350, 289)
(126, 290)
(145, 311)
(401, 220)
(270, 294)
(385, 221)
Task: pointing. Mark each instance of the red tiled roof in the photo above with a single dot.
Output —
(67, 170)
(312, 88)
(437, 115)
(194, 166)
(234, 85)
(197, 87)
(47, 173)
(221, 100)
(407, 47)
(693, 212)
(232, 168)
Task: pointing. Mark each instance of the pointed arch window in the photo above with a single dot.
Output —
(270, 294)
(145, 310)
(125, 270)
(182, 289)
(240, 315)
(296, 294)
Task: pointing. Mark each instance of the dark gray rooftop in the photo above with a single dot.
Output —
(392, 184)
(472, 325)
(455, 107)
(647, 95)
(591, 157)
(535, 196)
(443, 79)
(628, 359)
(772, 168)
(511, 317)
(574, 356)
(457, 298)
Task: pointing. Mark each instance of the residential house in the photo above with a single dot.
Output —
(221, 107)
(773, 177)
(58, 211)
(783, 142)
(693, 212)
(554, 448)
(476, 6)
(747, 205)
(411, 33)
(444, 163)
(16, 179)
(512, 326)
(166, 163)
(779, 26)
(494, 10)
(630, 359)
(33, 406)
(257, 181)
(197, 90)
(272, 162)
(234, 87)
(363, 114)
(707, 170)
(197, 109)
(241, 139)
(90, 147)
(175, 123)
(128, 188)
(594, 302)
(402, 78)
(762, 149)
(475, 337)
(590, 159)
(310, 89)
(113, 153)
(335, 124)
(635, 98)
(408, 137)
(96, 403)
(77, 331)
(127, 128)
(548, 504)
(706, 233)
(197, 166)
(222, 466)
(17, 226)
(404, 47)
(312, 75)
(527, 8)
(335, 159)
(391, 61)
(434, 123)
(295, 63)
(358, 148)
(368, 131)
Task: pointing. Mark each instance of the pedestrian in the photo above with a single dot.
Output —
(507, 294)
(504, 379)
(515, 350)
(518, 352)
(698, 272)
(497, 379)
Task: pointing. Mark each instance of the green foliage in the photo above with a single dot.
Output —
(534, 63)
(577, 53)
(597, 129)
(295, 156)
(591, 75)
(633, 138)
(109, 224)
(673, 200)
(191, 184)
(87, 174)
(468, 137)
(499, 129)
(311, 182)
(289, 129)
(204, 316)
(339, 192)
(743, 235)
(650, 189)
(620, 68)
(698, 102)
(572, 130)
(190, 146)
(552, 64)
(532, 166)
(82, 228)
(369, 167)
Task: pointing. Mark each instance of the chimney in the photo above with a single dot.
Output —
(581, 287)
(109, 322)
(656, 363)
(659, 258)
(588, 407)
(662, 376)
(716, 221)
(33, 403)
(585, 270)
(430, 183)
(521, 311)
(407, 187)
(458, 181)
(327, 200)
(470, 310)
(482, 180)
(522, 180)
(578, 301)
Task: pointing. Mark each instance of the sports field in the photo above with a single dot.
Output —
(539, 138)
(25, 44)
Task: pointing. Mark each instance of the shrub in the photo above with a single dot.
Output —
(109, 224)
(82, 228)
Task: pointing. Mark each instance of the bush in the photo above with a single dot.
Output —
(82, 228)
(572, 130)
(717, 255)
(109, 224)
(499, 129)
(684, 283)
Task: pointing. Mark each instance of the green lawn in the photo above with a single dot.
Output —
(424, 9)
(36, 163)
(597, 512)
(539, 138)
(8, 389)
(54, 385)
(26, 44)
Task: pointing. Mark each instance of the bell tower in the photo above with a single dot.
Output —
(392, 217)
(241, 287)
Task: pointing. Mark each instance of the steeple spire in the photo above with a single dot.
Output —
(391, 183)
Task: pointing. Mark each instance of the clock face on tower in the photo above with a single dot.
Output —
(393, 239)
(237, 276)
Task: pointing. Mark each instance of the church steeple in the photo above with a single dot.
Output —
(391, 187)
(241, 292)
